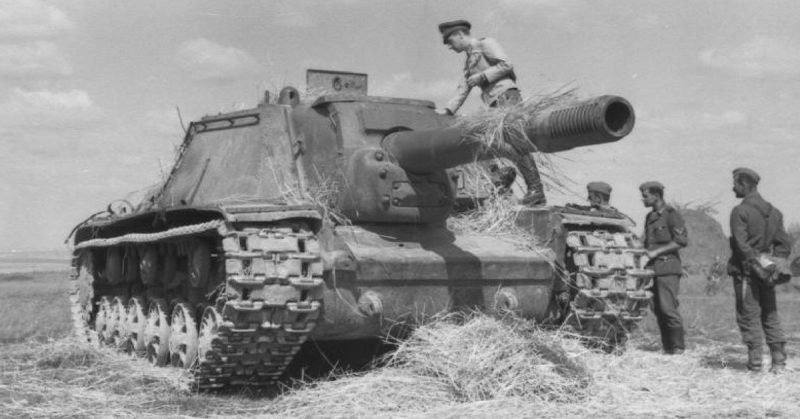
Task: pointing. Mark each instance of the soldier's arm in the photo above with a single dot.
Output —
(739, 234)
(680, 237)
(461, 95)
(500, 65)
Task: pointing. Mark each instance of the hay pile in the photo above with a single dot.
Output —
(496, 216)
(706, 238)
(451, 361)
(502, 132)
(482, 358)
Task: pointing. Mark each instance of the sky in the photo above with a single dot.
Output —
(92, 93)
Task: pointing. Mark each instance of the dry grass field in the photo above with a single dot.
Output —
(33, 306)
(479, 367)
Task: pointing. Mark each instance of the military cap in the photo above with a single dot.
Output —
(750, 173)
(651, 185)
(602, 187)
(448, 28)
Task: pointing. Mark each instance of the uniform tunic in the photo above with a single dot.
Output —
(485, 56)
(756, 227)
(661, 228)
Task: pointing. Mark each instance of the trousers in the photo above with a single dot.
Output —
(521, 158)
(757, 312)
(665, 307)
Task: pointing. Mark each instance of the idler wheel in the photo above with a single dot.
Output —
(136, 324)
(113, 268)
(101, 322)
(183, 336)
(156, 333)
(199, 264)
(117, 323)
(148, 265)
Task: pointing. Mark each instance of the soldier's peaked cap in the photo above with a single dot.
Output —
(743, 171)
(447, 28)
(602, 187)
(651, 185)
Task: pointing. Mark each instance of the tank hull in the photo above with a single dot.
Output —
(385, 276)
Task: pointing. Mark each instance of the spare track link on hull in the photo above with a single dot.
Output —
(610, 294)
(270, 305)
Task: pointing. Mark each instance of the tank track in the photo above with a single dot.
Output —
(253, 326)
(610, 284)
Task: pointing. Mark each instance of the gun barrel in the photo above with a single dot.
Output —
(602, 119)
(598, 120)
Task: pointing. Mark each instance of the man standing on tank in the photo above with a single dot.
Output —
(664, 234)
(756, 228)
(488, 67)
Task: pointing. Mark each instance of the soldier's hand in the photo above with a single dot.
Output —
(475, 80)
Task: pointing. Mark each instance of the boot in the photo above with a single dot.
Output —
(778, 358)
(754, 357)
(676, 338)
(533, 181)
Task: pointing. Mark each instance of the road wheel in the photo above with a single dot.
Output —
(117, 324)
(156, 333)
(207, 355)
(183, 336)
(136, 324)
(209, 332)
(101, 323)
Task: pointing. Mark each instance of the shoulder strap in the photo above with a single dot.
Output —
(767, 239)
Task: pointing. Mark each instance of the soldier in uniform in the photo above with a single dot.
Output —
(599, 195)
(756, 228)
(487, 66)
(664, 234)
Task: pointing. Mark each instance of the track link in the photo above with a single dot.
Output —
(610, 284)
